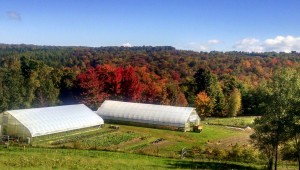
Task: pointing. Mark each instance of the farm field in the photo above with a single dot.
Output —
(149, 141)
(145, 148)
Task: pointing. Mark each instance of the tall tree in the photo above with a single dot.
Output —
(47, 94)
(102, 82)
(30, 69)
(280, 94)
(208, 82)
(234, 103)
(293, 116)
(91, 88)
(11, 87)
(172, 95)
(204, 105)
(130, 85)
(265, 138)
(190, 90)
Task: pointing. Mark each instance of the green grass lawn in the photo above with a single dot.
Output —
(41, 158)
(242, 121)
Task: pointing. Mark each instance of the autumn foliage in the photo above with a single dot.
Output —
(204, 105)
(37, 76)
(135, 84)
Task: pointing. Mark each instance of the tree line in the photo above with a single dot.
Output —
(217, 83)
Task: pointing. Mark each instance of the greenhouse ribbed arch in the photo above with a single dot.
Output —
(29, 123)
(161, 116)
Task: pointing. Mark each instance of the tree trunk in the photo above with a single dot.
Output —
(297, 146)
(270, 164)
(276, 157)
(298, 153)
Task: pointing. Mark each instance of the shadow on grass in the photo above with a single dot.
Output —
(206, 165)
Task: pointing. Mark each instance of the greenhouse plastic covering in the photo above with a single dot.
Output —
(49, 120)
(145, 113)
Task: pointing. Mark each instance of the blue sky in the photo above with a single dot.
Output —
(200, 25)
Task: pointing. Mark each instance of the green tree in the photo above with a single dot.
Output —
(279, 122)
(234, 103)
(293, 117)
(190, 90)
(41, 82)
(208, 82)
(29, 70)
(11, 86)
(48, 91)
(265, 138)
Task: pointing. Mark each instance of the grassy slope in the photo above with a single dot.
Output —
(128, 139)
(40, 158)
(36, 158)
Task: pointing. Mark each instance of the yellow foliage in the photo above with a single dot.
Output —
(204, 105)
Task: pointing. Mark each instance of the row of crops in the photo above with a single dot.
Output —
(108, 139)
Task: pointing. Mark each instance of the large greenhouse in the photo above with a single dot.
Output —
(28, 123)
(159, 116)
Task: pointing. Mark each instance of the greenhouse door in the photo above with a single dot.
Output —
(4, 123)
(4, 130)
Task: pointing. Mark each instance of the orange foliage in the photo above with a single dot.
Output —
(204, 105)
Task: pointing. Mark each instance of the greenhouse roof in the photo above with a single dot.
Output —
(49, 120)
(146, 113)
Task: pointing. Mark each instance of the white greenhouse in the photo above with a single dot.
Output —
(28, 123)
(159, 116)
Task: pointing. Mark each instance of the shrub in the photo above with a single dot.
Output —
(219, 154)
(289, 152)
(243, 153)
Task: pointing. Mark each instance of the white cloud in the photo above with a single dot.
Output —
(14, 15)
(277, 44)
(281, 43)
(249, 45)
(214, 42)
(127, 45)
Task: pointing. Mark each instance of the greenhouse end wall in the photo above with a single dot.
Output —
(13, 128)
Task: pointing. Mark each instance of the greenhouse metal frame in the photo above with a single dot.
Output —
(160, 116)
(25, 124)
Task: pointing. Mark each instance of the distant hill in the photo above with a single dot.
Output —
(166, 66)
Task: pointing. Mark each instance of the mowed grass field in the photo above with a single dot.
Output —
(129, 147)
(42, 158)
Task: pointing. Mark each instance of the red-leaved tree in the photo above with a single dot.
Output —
(106, 81)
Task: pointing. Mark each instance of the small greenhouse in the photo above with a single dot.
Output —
(159, 116)
(28, 123)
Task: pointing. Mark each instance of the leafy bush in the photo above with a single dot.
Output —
(289, 152)
(240, 153)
